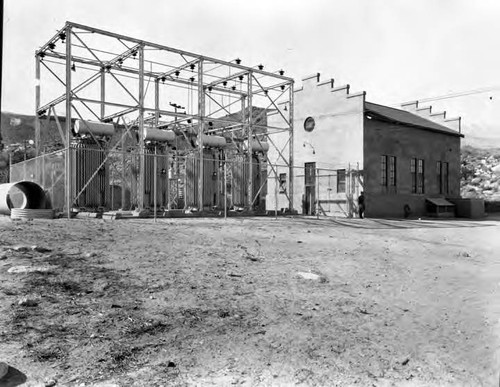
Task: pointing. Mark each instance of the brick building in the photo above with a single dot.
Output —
(344, 144)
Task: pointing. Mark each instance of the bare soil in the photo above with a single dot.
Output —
(211, 302)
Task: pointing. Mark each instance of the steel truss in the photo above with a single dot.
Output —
(118, 63)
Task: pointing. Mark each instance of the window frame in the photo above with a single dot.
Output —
(341, 183)
(413, 172)
(420, 176)
(310, 173)
(439, 175)
(383, 170)
(282, 179)
(445, 175)
(392, 172)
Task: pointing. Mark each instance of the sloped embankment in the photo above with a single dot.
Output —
(480, 174)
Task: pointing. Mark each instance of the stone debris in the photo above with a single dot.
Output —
(308, 275)
(41, 249)
(30, 269)
(4, 369)
(480, 175)
(21, 249)
(25, 301)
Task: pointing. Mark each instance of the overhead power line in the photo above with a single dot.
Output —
(455, 95)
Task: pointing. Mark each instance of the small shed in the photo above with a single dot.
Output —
(440, 208)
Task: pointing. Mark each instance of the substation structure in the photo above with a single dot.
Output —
(145, 126)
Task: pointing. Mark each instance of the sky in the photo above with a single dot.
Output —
(395, 50)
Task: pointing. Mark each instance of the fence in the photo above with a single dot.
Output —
(111, 180)
(316, 191)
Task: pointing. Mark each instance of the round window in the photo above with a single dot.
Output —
(309, 124)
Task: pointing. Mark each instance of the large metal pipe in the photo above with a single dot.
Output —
(259, 146)
(96, 128)
(212, 141)
(152, 134)
(29, 195)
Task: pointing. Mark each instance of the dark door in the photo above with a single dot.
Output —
(310, 189)
(310, 199)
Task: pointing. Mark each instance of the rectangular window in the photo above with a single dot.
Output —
(340, 180)
(282, 180)
(413, 171)
(310, 173)
(439, 178)
(420, 176)
(383, 170)
(392, 171)
(445, 178)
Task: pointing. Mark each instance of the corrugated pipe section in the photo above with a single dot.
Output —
(22, 195)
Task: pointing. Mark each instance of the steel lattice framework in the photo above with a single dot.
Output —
(106, 76)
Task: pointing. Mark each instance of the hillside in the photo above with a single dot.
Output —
(480, 173)
(18, 128)
(16, 131)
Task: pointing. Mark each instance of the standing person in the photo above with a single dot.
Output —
(361, 204)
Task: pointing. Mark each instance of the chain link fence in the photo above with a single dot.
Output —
(111, 180)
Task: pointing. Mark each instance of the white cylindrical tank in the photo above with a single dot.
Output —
(92, 127)
(153, 134)
(259, 146)
(213, 141)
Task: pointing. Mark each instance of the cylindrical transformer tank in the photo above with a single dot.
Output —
(95, 128)
(153, 134)
(259, 146)
(213, 141)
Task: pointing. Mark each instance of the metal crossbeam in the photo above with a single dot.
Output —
(170, 49)
(134, 71)
(91, 58)
(228, 78)
(179, 68)
(60, 99)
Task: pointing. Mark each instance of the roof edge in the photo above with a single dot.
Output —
(446, 130)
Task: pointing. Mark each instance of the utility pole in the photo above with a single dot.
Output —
(176, 106)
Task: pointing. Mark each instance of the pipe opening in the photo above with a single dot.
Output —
(23, 195)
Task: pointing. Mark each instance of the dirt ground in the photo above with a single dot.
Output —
(252, 302)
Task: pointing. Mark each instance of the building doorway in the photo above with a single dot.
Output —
(309, 202)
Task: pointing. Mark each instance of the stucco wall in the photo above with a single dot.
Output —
(382, 138)
(335, 143)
